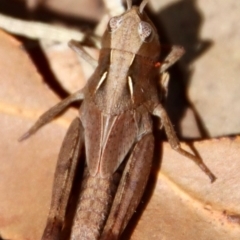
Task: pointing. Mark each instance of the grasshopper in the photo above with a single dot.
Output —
(114, 131)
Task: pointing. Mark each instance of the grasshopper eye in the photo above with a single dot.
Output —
(114, 23)
(145, 31)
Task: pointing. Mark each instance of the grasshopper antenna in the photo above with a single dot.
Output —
(142, 5)
(129, 4)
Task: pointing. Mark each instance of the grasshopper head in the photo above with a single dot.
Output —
(132, 32)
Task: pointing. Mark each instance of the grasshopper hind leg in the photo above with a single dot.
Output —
(131, 188)
(63, 178)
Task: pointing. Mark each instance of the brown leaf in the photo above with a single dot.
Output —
(211, 62)
(185, 205)
(27, 168)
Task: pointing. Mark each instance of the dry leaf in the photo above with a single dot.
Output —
(209, 33)
(185, 205)
(27, 168)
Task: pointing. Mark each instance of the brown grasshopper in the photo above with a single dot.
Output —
(114, 127)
